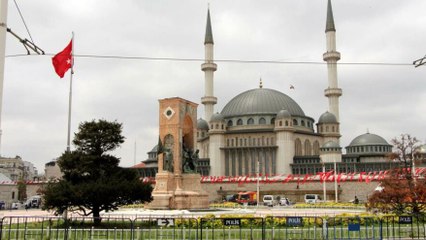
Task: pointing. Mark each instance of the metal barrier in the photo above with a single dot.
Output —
(232, 228)
(210, 228)
(171, 227)
(406, 226)
(294, 227)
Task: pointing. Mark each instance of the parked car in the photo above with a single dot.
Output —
(312, 198)
(269, 200)
(33, 202)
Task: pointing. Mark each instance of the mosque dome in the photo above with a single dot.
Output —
(327, 117)
(216, 117)
(368, 139)
(283, 114)
(367, 144)
(261, 101)
(202, 124)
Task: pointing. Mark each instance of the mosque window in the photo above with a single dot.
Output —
(221, 125)
(217, 126)
(280, 123)
(236, 142)
(262, 121)
(298, 147)
(227, 142)
(211, 126)
(198, 134)
(326, 128)
(241, 142)
(240, 122)
(272, 120)
(232, 142)
(286, 123)
(316, 148)
(250, 121)
(230, 123)
(245, 141)
(332, 128)
(302, 123)
(295, 122)
(308, 148)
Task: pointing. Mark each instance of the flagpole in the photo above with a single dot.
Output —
(70, 95)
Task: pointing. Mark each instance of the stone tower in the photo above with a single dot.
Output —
(177, 184)
(208, 67)
(333, 92)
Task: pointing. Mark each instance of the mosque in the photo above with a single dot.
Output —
(265, 131)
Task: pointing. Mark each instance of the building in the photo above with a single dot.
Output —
(265, 131)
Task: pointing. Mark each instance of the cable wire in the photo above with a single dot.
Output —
(217, 60)
(23, 20)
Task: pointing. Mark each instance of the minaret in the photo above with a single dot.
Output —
(208, 67)
(333, 92)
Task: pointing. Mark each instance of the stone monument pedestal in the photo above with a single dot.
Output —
(177, 183)
(190, 195)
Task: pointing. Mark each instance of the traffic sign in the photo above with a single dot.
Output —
(166, 222)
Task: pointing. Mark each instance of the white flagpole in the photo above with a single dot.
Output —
(70, 96)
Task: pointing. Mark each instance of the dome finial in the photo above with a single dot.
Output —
(260, 83)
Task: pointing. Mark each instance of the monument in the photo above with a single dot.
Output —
(177, 183)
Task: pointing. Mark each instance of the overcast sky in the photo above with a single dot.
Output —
(383, 99)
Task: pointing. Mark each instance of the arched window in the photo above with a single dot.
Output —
(295, 122)
(316, 148)
(298, 147)
(230, 123)
(272, 120)
(308, 148)
(250, 121)
(280, 123)
(286, 123)
(302, 123)
(262, 121)
(240, 122)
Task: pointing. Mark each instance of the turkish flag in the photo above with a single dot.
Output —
(63, 60)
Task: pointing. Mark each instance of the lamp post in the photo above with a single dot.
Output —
(257, 183)
(323, 182)
(336, 197)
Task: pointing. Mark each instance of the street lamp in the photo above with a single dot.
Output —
(257, 183)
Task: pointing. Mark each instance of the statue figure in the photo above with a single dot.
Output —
(189, 161)
(168, 160)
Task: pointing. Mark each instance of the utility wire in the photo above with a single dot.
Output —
(23, 20)
(216, 60)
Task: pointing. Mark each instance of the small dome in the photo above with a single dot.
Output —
(368, 139)
(202, 124)
(331, 144)
(217, 117)
(327, 117)
(283, 114)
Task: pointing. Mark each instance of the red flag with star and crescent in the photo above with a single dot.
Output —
(63, 60)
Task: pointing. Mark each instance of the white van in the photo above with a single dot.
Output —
(312, 198)
(269, 200)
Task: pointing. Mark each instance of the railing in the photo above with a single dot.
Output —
(210, 228)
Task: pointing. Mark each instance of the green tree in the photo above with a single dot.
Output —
(92, 180)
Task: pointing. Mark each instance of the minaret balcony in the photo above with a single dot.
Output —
(208, 66)
(331, 56)
(209, 100)
(333, 92)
